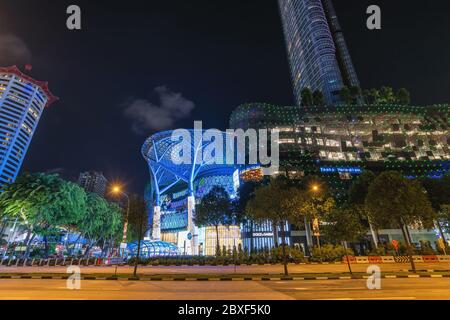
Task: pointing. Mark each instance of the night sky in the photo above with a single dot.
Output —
(137, 67)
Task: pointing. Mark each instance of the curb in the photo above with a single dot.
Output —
(262, 278)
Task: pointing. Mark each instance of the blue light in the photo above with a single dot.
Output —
(354, 170)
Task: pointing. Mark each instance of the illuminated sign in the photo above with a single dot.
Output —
(263, 234)
(355, 170)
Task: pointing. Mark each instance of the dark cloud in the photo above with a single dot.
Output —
(148, 116)
(13, 51)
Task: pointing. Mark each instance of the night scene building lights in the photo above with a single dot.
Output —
(177, 188)
(22, 101)
(338, 143)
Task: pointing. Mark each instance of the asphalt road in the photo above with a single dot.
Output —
(391, 289)
(254, 269)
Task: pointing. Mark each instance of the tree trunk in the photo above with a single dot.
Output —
(442, 233)
(275, 234)
(140, 235)
(408, 246)
(46, 248)
(25, 242)
(283, 244)
(75, 244)
(251, 236)
(217, 241)
(88, 249)
(105, 247)
(346, 257)
(309, 243)
(27, 251)
(373, 233)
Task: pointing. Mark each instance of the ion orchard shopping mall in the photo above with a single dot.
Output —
(334, 143)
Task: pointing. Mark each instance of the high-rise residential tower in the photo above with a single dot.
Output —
(22, 101)
(316, 48)
(93, 181)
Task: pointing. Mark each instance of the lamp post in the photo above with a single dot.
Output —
(315, 189)
(118, 190)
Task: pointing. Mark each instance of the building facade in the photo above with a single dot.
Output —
(338, 143)
(176, 188)
(22, 102)
(93, 181)
(316, 48)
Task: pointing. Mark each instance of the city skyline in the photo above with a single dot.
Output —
(90, 118)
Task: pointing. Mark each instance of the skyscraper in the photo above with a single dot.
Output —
(93, 181)
(22, 101)
(316, 48)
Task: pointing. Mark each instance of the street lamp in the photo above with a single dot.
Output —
(118, 191)
(315, 189)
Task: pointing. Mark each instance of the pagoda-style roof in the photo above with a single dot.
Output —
(51, 98)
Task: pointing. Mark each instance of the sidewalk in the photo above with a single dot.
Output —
(230, 270)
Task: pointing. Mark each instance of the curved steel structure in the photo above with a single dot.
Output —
(160, 152)
(151, 249)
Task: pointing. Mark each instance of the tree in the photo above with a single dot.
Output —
(345, 95)
(356, 196)
(344, 225)
(403, 97)
(138, 223)
(367, 96)
(355, 93)
(375, 95)
(215, 209)
(43, 203)
(387, 95)
(306, 97)
(101, 221)
(438, 191)
(316, 203)
(318, 98)
(276, 202)
(394, 200)
(246, 192)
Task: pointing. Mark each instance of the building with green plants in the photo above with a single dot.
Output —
(339, 143)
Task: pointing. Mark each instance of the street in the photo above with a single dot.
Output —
(404, 289)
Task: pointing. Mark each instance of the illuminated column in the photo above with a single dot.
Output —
(192, 229)
(156, 234)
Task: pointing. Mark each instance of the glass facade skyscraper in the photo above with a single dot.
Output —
(316, 48)
(22, 101)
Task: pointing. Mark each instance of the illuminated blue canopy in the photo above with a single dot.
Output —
(161, 149)
(151, 249)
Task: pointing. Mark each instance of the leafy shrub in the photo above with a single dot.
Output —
(329, 253)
